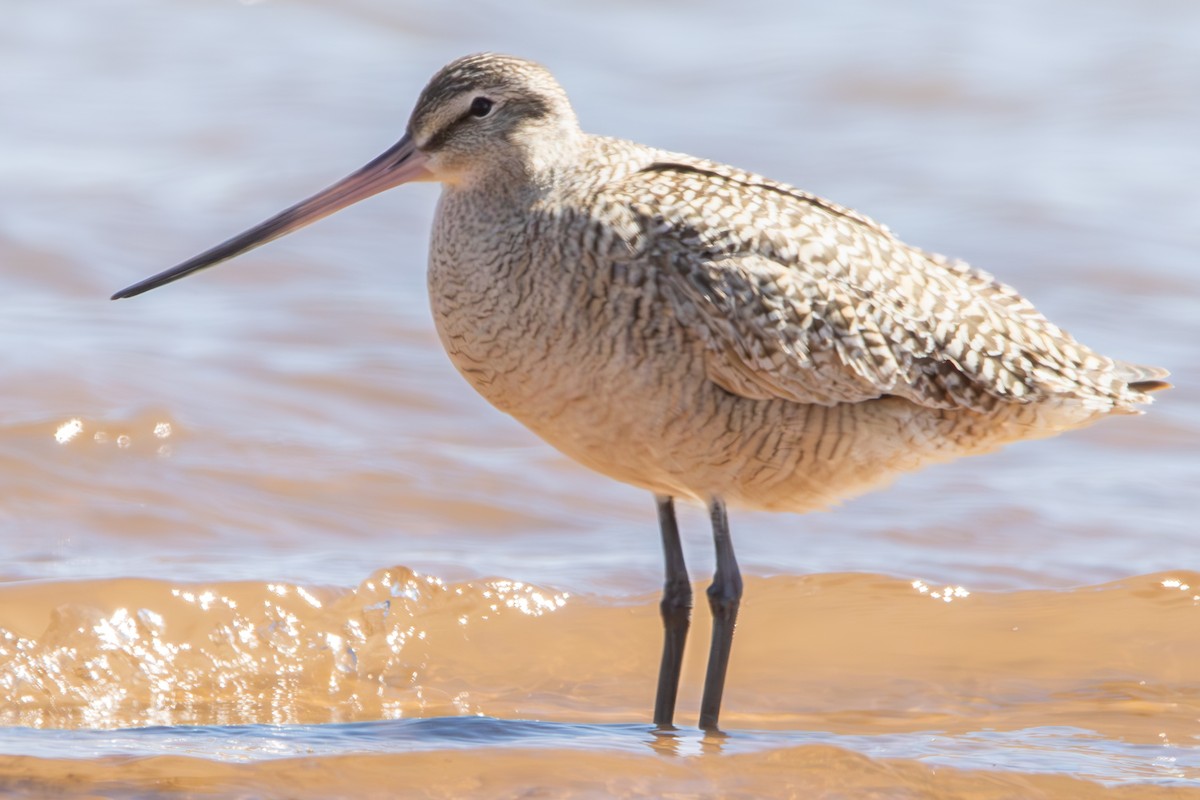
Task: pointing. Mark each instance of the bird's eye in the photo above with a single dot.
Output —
(481, 107)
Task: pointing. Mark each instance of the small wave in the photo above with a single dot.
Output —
(119, 653)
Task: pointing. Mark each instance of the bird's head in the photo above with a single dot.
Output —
(487, 114)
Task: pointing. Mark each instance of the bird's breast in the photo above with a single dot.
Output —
(577, 347)
(517, 308)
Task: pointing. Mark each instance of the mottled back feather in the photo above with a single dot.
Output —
(799, 298)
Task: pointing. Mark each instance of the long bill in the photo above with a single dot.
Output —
(399, 164)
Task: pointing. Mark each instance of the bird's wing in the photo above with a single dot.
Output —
(795, 297)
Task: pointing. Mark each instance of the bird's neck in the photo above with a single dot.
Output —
(533, 162)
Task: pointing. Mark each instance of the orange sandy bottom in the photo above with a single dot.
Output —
(803, 772)
(842, 682)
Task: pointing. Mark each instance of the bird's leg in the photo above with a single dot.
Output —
(724, 596)
(676, 610)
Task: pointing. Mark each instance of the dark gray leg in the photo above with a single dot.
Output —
(724, 596)
(676, 610)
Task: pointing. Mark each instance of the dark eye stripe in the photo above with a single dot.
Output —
(524, 108)
(439, 138)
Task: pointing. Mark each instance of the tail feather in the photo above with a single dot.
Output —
(1141, 378)
(1150, 386)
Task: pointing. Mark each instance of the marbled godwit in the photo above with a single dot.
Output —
(700, 331)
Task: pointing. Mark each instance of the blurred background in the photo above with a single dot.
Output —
(290, 417)
(315, 428)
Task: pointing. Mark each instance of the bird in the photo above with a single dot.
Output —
(699, 331)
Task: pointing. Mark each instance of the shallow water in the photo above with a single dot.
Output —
(257, 538)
